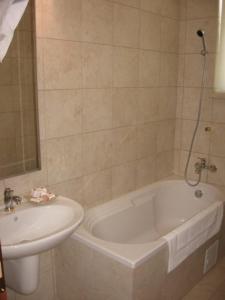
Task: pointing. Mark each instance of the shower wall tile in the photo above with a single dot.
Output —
(149, 68)
(97, 66)
(97, 109)
(62, 71)
(126, 22)
(61, 104)
(218, 114)
(146, 140)
(168, 70)
(61, 20)
(217, 142)
(154, 6)
(124, 106)
(123, 178)
(146, 171)
(132, 3)
(170, 30)
(147, 105)
(150, 31)
(97, 151)
(197, 9)
(97, 21)
(125, 67)
(124, 141)
(97, 188)
(64, 158)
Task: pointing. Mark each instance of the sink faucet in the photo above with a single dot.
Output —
(10, 200)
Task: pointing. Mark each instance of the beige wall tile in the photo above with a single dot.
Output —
(146, 140)
(147, 105)
(149, 68)
(72, 189)
(195, 9)
(150, 32)
(97, 109)
(126, 26)
(146, 169)
(97, 66)
(62, 64)
(123, 179)
(97, 21)
(125, 67)
(124, 106)
(217, 177)
(152, 5)
(64, 159)
(202, 141)
(170, 29)
(132, 3)
(170, 8)
(168, 71)
(217, 146)
(63, 115)
(218, 111)
(165, 136)
(167, 103)
(123, 145)
(97, 188)
(193, 70)
(62, 20)
(97, 151)
(164, 164)
(191, 104)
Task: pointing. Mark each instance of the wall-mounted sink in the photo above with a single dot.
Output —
(30, 230)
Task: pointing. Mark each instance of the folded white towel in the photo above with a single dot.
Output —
(184, 240)
(11, 12)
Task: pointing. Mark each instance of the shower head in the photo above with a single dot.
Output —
(201, 34)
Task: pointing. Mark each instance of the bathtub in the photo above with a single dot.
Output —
(132, 228)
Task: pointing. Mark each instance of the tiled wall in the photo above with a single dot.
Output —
(108, 95)
(107, 74)
(196, 15)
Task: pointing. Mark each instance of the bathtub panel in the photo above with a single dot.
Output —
(85, 274)
(182, 279)
(149, 278)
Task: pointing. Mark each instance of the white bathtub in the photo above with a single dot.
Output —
(133, 227)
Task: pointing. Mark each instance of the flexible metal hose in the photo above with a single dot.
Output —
(195, 131)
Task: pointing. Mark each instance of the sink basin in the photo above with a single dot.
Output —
(33, 228)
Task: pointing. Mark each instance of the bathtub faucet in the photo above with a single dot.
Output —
(202, 165)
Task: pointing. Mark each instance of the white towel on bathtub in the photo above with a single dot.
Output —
(184, 240)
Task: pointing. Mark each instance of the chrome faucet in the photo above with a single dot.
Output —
(202, 165)
(10, 200)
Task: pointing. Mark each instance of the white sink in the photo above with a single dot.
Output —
(30, 230)
(33, 228)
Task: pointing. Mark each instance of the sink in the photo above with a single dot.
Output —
(30, 230)
(33, 228)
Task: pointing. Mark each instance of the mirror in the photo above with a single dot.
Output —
(19, 139)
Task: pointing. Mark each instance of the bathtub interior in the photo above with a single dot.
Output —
(150, 213)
